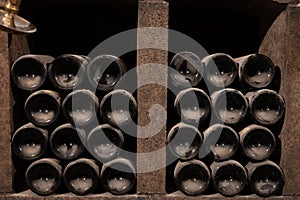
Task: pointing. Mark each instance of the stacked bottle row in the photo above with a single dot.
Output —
(70, 132)
(67, 71)
(229, 177)
(67, 142)
(81, 177)
(80, 107)
(228, 111)
(229, 106)
(254, 71)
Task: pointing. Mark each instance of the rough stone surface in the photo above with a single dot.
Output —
(151, 14)
(288, 1)
(282, 44)
(10, 49)
(177, 196)
(18, 47)
(5, 117)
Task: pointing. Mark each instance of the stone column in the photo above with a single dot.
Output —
(151, 13)
(282, 44)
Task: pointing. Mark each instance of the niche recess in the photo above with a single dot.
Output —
(233, 27)
(74, 27)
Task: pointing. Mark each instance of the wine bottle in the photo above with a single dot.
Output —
(193, 105)
(192, 177)
(29, 72)
(257, 142)
(222, 141)
(184, 141)
(43, 176)
(67, 71)
(105, 142)
(80, 107)
(81, 176)
(104, 71)
(187, 69)
(266, 106)
(256, 70)
(42, 107)
(220, 69)
(65, 142)
(29, 142)
(266, 178)
(229, 177)
(118, 108)
(118, 176)
(230, 105)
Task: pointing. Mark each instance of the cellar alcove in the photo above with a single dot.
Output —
(73, 27)
(234, 27)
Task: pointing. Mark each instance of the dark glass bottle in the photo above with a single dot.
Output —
(229, 177)
(118, 176)
(257, 142)
(29, 142)
(43, 176)
(266, 178)
(266, 106)
(80, 107)
(222, 141)
(81, 176)
(184, 141)
(229, 105)
(191, 177)
(188, 69)
(29, 72)
(65, 142)
(104, 71)
(118, 108)
(193, 105)
(256, 70)
(220, 69)
(42, 108)
(67, 71)
(105, 142)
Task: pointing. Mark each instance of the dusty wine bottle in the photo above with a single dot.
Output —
(220, 69)
(29, 72)
(105, 142)
(65, 142)
(81, 176)
(118, 108)
(188, 69)
(266, 178)
(266, 106)
(43, 176)
(192, 177)
(29, 142)
(118, 176)
(222, 141)
(193, 105)
(184, 141)
(257, 142)
(104, 71)
(67, 71)
(80, 107)
(229, 177)
(42, 107)
(230, 105)
(256, 70)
